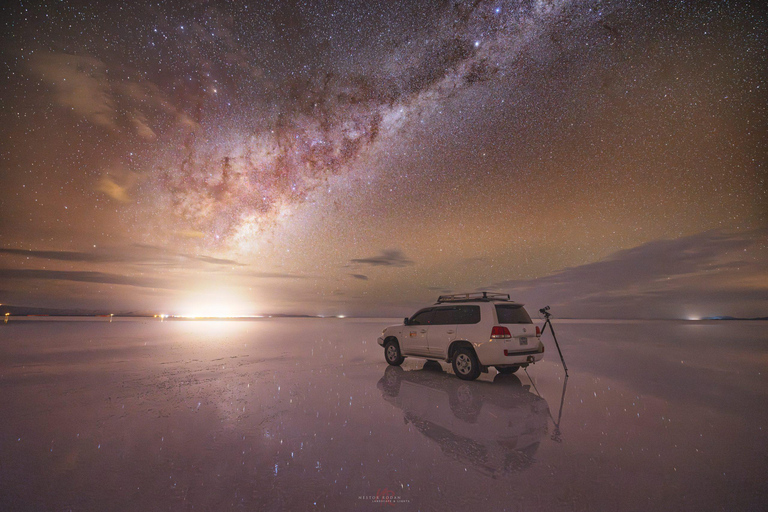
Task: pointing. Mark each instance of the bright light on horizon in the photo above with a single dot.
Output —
(219, 304)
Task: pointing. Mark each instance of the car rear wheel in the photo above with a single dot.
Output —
(392, 353)
(465, 364)
(507, 370)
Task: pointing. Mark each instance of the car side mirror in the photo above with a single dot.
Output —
(405, 321)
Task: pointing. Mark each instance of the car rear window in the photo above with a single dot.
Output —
(512, 314)
(451, 315)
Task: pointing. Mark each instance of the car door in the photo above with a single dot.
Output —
(442, 331)
(415, 333)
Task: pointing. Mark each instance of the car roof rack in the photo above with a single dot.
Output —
(473, 296)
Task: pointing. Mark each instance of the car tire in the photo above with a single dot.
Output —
(507, 370)
(392, 353)
(465, 364)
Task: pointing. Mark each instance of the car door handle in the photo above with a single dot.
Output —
(451, 332)
(423, 330)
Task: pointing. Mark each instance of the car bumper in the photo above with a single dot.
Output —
(504, 352)
(380, 341)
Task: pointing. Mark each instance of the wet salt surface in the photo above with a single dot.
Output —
(302, 414)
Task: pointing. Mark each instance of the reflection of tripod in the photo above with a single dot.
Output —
(547, 322)
(556, 435)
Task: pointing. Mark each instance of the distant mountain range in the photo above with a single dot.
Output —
(733, 318)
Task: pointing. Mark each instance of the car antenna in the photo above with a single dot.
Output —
(545, 311)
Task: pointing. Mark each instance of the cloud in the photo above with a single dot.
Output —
(360, 276)
(83, 276)
(112, 189)
(387, 258)
(79, 84)
(275, 275)
(142, 128)
(708, 274)
(63, 255)
(138, 253)
(84, 86)
(215, 261)
(190, 233)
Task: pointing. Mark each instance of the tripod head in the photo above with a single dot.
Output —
(545, 311)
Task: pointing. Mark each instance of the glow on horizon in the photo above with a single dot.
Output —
(220, 303)
(208, 315)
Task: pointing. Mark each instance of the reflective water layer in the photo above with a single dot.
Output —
(304, 414)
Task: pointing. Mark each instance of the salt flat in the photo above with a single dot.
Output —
(304, 414)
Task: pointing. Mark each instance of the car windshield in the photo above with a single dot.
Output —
(512, 314)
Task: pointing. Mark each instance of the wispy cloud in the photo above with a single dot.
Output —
(708, 274)
(214, 261)
(84, 86)
(113, 189)
(83, 276)
(136, 253)
(79, 84)
(386, 258)
(275, 275)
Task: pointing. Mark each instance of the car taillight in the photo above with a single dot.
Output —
(500, 332)
(538, 331)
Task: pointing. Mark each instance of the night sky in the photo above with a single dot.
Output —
(360, 158)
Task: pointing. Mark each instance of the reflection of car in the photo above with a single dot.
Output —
(497, 427)
(470, 330)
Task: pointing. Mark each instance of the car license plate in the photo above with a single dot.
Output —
(523, 341)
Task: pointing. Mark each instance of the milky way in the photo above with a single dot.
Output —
(234, 185)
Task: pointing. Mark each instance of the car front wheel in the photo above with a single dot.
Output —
(392, 353)
(465, 364)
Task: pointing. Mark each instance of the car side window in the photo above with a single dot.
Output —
(452, 315)
(445, 316)
(467, 315)
(423, 317)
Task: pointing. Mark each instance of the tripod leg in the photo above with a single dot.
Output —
(557, 345)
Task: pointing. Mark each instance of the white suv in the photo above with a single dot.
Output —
(470, 330)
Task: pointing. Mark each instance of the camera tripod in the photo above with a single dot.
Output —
(547, 322)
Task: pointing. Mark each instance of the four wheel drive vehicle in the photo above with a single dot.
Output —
(470, 330)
